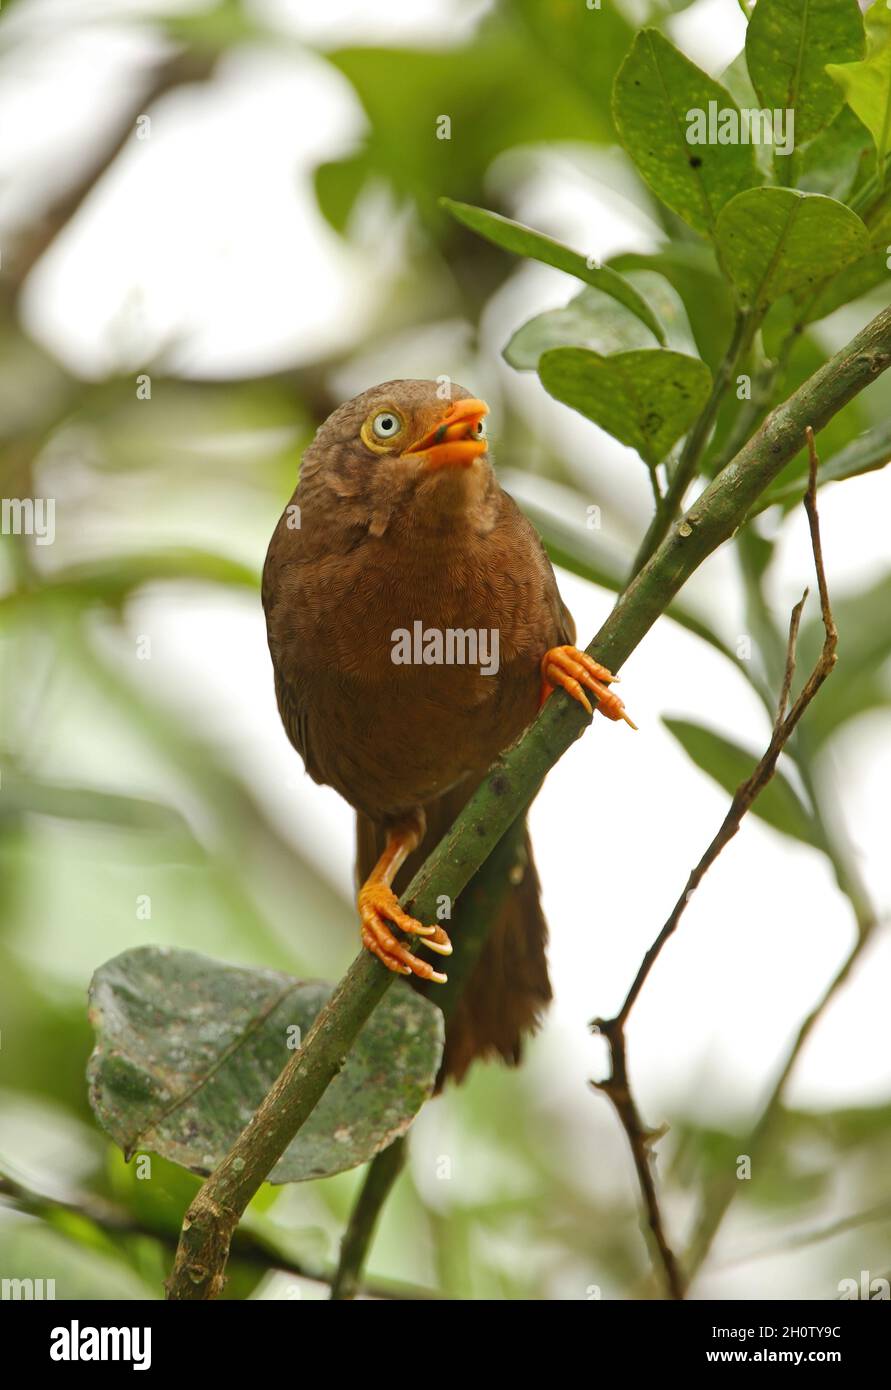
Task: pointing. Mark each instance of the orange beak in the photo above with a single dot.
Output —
(454, 442)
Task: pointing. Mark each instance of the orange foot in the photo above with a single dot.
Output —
(379, 910)
(571, 669)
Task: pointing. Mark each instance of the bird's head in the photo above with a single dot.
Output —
(400, 451)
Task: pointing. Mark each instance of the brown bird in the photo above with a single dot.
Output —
(415, 627)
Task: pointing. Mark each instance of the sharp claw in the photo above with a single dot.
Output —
(405, 963)
(574, 671)
(381, 914)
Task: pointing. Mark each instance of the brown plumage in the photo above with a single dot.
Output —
(400, 520)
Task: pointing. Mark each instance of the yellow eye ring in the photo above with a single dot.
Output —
(381, 428)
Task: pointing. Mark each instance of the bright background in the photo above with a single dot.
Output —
(201, 256)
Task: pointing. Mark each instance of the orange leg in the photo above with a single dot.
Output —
(379, 909)
(572, 670)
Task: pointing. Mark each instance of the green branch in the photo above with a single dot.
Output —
(507, 789)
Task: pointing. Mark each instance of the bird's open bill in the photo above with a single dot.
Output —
(458, 439)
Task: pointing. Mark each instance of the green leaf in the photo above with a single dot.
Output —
(864, 455)
(836, 158)
(789, 43)
(855, 280)
(590, 320)
(735, 77)
(867, 89)
(691, 268)
(187, 1048)
(729, 765)
(338, 185)
(808, 355)
(774, 240)
(864, 632)
(523, 241)
(861, 680)
(654, 90)
(647, 398)
(859, 693)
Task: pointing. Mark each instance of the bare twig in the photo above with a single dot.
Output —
(616, 1085)
(641, 1140)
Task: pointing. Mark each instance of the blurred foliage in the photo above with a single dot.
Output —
(114, 791)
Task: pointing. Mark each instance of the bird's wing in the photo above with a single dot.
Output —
(563, 619)
(278, 601)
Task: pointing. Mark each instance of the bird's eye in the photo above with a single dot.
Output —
(386, 425)
(479, 430)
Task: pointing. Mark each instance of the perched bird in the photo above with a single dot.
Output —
(415, 627)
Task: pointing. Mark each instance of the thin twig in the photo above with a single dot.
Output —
(617, 1085)
(658, 495)
(641, 1141)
